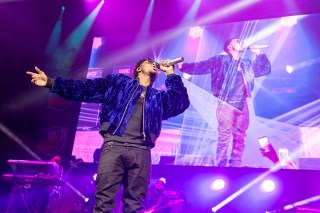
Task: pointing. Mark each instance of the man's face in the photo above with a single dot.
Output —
(149, 67)
(236, 45)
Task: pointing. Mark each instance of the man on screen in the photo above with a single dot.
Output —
(231, 82)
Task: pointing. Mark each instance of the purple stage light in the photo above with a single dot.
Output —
(217, 184)
(196, 32)
(97, 42)
(268, 186)
(289, 69)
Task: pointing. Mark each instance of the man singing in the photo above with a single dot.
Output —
(231, 82)
(131, 118)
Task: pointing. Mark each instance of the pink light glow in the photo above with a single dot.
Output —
(97, 42)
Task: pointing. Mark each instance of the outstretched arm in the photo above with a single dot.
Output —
(89, 90)
(199, 68)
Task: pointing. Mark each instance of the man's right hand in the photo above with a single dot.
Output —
(38, 78)
(255, 49)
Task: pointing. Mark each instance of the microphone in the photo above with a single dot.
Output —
(173, 61)
(258, 46)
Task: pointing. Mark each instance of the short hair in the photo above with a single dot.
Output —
(227, 43)
(138, 64)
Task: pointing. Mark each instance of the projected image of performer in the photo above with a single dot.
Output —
(131, 118)
(231, 83)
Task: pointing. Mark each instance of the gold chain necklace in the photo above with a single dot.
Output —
(143, 94)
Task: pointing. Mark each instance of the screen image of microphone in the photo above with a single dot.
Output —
(173, 61)
(258, 46)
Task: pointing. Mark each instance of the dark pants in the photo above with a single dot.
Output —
(232, 125)
(125, 165)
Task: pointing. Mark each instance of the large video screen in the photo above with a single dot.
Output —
(284, 105)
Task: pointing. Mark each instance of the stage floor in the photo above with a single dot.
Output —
(193, 185)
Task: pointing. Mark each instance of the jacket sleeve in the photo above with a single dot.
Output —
(201, 67)
(89, 90)
(261, 66)
(175, 99)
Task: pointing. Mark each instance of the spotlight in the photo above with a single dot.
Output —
(289, 69)
(85, 199)
(163, 180)
(94, 177)
(267, 186)
(218, 184)
(196, 32)
(301, 65)
(63, 8)
(97, 42)
(289, 21)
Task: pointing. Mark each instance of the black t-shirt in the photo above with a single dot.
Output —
(133, 132)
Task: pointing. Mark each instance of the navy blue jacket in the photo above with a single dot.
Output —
(119, 94)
